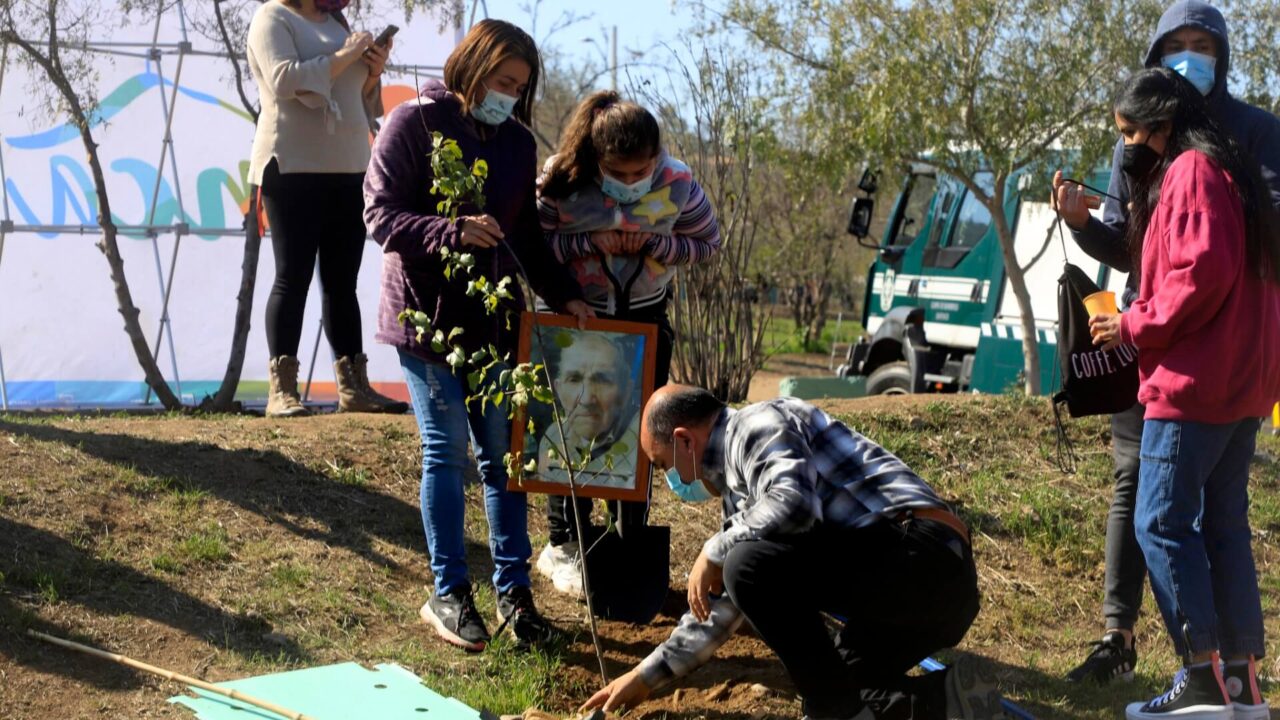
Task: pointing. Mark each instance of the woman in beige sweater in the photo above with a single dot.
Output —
(320, 91)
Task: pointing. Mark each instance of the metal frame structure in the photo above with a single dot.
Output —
(153, 52)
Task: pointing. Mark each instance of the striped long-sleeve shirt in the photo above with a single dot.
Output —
(676, 213)
(783, 466)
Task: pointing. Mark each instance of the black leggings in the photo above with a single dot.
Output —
(626, 514)
(314, 214)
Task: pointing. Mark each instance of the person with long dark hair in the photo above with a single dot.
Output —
(1191, 39)
(320, 89)
(1205, 242)
(624, 215)
(484, 104)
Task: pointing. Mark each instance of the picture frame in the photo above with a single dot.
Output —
(602, 376)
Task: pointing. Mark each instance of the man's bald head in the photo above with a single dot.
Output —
(676, 406)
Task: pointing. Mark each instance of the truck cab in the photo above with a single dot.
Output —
(938, 312)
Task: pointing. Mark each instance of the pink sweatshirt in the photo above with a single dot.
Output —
(1206, 325)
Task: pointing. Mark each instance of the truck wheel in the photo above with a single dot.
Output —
(891, 379)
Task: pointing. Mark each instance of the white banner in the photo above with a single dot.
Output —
(62, 341)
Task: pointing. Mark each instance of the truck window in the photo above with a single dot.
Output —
(913, 216)
(971, 223)
(941, 211)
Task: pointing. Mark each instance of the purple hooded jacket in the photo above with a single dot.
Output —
(401, 215)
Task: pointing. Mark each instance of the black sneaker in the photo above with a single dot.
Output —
(455, 618)
(516, 610)
(1197, 694)
(1247, 702)
(1109, 660)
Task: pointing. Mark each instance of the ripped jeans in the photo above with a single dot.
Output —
(446, 425)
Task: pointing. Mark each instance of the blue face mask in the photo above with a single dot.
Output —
(1198, 69)
(693, 492)
(625, 194)
(495, 108)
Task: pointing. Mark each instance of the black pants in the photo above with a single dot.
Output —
(1126, 566)
(626, 514)
(314, 214)
(906, 589)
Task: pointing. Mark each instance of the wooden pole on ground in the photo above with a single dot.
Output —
(170, 675)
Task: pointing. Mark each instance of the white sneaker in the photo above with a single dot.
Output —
(561, 565)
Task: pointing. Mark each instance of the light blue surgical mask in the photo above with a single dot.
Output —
(495, 108)
(692, 492)
(623, 193)
(1197, 68)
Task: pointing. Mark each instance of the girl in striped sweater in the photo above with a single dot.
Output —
(623, 215)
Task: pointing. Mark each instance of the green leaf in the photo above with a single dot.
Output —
(476, 357)
(473, 380)
(531, 466)
(543, 395)
(504, 378)
(455, 333)
(530, 427)
(563, 339)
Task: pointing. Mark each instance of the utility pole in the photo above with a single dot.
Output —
(613, 63)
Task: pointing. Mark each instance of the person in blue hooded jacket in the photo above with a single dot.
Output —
(1190, 39)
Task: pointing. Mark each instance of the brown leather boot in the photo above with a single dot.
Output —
(283, 399)
(354, 391)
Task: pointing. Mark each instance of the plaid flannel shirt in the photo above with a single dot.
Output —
(783, 466)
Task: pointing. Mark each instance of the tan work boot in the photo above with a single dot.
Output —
(283, 400)
(354, 392)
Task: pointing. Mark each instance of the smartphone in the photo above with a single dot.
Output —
(386, 35)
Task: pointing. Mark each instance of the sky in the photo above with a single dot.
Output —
(641, 23)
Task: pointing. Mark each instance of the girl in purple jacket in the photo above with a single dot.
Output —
(485, 104)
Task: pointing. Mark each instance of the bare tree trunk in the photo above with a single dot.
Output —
(224, 399)
(52, 66)
(819, 320)
(1018, 282)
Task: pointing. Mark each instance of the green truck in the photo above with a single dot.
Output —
(938, 312)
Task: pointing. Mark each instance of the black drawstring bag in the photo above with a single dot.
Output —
(1094, 381)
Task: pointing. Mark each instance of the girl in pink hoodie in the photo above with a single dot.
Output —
(1207, 326)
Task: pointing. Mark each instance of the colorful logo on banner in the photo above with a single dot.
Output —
(72, 199)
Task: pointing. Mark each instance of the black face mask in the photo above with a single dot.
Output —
(1138, 161)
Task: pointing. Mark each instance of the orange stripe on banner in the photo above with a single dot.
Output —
(328, 392)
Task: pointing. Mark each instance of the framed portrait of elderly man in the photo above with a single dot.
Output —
(601, 378)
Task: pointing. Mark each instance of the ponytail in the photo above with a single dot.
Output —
(603, 126)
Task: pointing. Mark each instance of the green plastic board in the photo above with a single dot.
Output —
(335, 692)
(817, 388)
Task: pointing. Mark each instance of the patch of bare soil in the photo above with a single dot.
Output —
(764, 384)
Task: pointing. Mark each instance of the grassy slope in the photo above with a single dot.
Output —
(234, 546)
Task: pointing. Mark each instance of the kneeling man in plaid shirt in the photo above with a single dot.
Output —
(819, 521)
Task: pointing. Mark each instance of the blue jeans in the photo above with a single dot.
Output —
(1192, 522)
(446, 424)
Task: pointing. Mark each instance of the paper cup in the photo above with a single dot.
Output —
(1101, 302)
